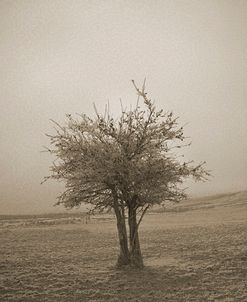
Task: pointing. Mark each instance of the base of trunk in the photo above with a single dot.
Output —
(133, 261)
(136, 261)
(123, 261)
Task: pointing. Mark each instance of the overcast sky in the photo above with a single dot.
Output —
(59, 57)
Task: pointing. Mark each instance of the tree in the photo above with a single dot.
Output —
(126, 164)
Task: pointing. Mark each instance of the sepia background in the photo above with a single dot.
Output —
(59, 57)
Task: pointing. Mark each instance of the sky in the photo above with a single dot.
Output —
(60, 57)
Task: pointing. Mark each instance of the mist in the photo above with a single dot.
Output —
(60, 57)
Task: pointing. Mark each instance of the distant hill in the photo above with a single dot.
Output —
(206, 202)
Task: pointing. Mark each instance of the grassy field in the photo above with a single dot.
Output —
(196, 251)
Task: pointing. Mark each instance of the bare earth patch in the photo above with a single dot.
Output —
(194, 255)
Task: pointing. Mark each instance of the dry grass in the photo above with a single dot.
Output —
(197, 254)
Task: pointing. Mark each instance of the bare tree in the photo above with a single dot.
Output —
(126, 164)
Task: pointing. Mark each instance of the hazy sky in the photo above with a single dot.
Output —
(59, 57)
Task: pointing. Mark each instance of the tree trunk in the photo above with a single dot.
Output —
(124, 257)
(136, 259)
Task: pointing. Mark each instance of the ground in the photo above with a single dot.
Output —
(196, 251)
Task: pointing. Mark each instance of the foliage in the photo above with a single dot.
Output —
(133, 154)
